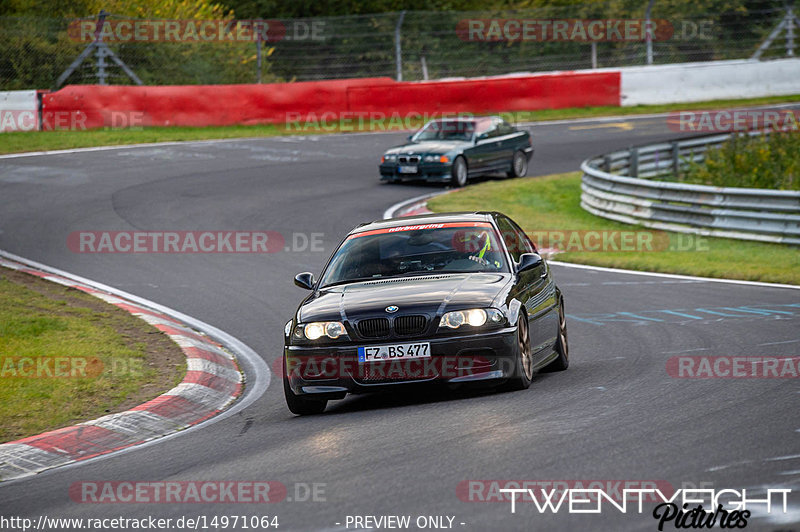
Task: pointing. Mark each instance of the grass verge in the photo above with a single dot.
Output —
(551, 205)
(67, 357)
(60, 140)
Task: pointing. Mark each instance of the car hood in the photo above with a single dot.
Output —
(411, 295)
(431, 146)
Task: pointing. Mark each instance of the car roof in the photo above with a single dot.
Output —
(476, 119)
(445, 217)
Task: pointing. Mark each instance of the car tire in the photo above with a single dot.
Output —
(562, 345)
(523, 359)
(299, 405)
(460, 172)
(519, 165)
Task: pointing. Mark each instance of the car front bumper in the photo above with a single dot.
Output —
(430, 172)
(333, 371)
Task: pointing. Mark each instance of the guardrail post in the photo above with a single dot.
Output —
(633, 165)
(607, 163)
(676, 163)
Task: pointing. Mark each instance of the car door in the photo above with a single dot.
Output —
(510, 140)
(535, 289)
(479, 156)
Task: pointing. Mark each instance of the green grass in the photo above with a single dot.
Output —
(110, 352)
(552, 203)
(59, 140)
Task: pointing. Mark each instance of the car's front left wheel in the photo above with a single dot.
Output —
(460, 172)
(562, 346)
(519, 165)
(299, 405)
(523, 370)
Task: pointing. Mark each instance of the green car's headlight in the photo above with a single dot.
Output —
(318, 329)
(436, 159)
(476, 317)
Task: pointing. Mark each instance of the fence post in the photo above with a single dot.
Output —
(258, 56)
(648, 32)
(594, 54)
(789, 31)
(398, 53)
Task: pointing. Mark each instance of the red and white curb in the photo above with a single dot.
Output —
(212, 383)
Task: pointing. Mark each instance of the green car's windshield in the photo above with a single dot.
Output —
(446, 130)
(416, 250)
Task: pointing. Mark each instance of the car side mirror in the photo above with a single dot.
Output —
(481, 137)
(410, 138)
(529, 261)
(304, 280)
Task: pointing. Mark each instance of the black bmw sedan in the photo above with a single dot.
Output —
(453, 150)
(452, 298)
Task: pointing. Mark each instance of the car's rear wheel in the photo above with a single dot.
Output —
(523, 371)
(459, 172)
(299, 405)
(519, 165)
(562, 346)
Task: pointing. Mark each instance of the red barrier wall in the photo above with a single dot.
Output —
(93, 106)
(491, 95)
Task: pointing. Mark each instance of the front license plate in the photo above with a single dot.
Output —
(377, 353)
(407, 169)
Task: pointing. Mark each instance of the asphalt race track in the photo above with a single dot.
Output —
(615, 414)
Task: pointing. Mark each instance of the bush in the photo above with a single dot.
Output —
(764, 161)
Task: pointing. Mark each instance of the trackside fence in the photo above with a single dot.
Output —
(625, 186)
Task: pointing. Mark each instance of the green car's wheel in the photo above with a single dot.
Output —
(459, 172)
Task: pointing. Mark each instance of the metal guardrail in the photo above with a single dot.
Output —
(620, 186)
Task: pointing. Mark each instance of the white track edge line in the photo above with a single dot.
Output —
(673, 275)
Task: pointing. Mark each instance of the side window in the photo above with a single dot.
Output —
(515, 238)
(509, 236)
(525, 242)
(505, 129)
(493, 132)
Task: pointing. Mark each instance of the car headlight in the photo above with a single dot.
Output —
(388, 158)
(436, 159)
(318, 329)
(476, 317)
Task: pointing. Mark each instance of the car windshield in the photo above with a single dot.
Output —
(416, 250)
(446, 130)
